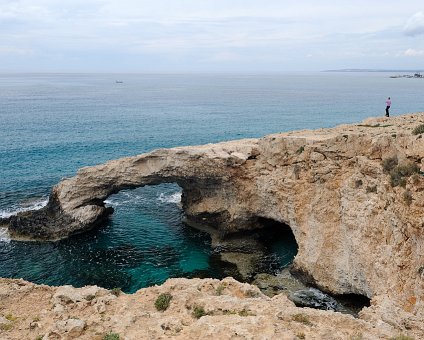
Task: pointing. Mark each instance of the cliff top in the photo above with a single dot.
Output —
(371, 126)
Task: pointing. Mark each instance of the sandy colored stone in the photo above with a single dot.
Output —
(239, 311)
(356, 233)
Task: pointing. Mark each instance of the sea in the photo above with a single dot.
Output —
(53, 124)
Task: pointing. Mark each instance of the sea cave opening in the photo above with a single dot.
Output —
(146, 242)
(148, 229)
(266, 262)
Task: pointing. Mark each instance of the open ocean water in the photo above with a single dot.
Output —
(53, 124)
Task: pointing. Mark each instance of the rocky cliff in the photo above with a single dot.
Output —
(353, 196)
(198, 309)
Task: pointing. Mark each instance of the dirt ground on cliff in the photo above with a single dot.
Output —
(198, 309)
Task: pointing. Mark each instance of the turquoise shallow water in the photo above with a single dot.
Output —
(53, 124)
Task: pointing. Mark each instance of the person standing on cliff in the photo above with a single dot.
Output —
(388, 104)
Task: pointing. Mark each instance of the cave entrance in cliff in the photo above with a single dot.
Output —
(279, 239)
(279, 242)
(256, 255)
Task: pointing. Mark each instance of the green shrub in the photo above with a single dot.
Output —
(398, 174)
(408, 169)
(162, 302)
(6, 326)
(111, 336)
(198, 312)
(90, 297)
(244, 312)
(418, 130)
(116, 291)
(220, 289)
(389, 164)
(302, 318)
(397, 180)
(401, 337)
(300, 150)
(10, 317)
(301, 335)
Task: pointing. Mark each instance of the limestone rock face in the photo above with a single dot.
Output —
(356, 231)
(229, 310)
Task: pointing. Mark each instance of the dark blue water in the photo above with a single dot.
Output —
(53, 124)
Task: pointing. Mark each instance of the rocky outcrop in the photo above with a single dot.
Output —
(198, 309)
(359, 229)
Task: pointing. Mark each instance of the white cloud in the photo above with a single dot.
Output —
(415, 25)
(410, 52)
(238, 33)
(13, 50)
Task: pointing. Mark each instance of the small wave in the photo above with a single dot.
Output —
(4, 235)
(131, 198)
(172, 198)
(22, 207)
(125, 198)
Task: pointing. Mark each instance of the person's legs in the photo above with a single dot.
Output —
(387, 111)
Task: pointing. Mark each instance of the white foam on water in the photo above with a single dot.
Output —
(125, 198)
(33, 205)
(172, 198)
(131, 198)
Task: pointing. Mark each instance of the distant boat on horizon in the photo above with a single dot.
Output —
(118, 81)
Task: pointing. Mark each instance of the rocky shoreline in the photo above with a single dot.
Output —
(352, 195)
(198, 309)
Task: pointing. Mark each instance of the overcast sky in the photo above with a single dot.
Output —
(210, 35)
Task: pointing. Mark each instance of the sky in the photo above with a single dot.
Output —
(210, 36)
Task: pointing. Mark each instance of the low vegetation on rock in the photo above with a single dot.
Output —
(116, 291)
(418, 130)
(220, 289)
(302, 318)
(356, 336)
(300, 150)
(399, 172)
(111, 336)
(198, 312)
(90, 297)
(389, 164)
(402, 337)
(162, 302)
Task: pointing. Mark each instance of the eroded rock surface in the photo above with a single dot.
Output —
(357, 232)
(199, 309)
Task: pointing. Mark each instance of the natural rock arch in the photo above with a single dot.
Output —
(352, 240)
(77, 204)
